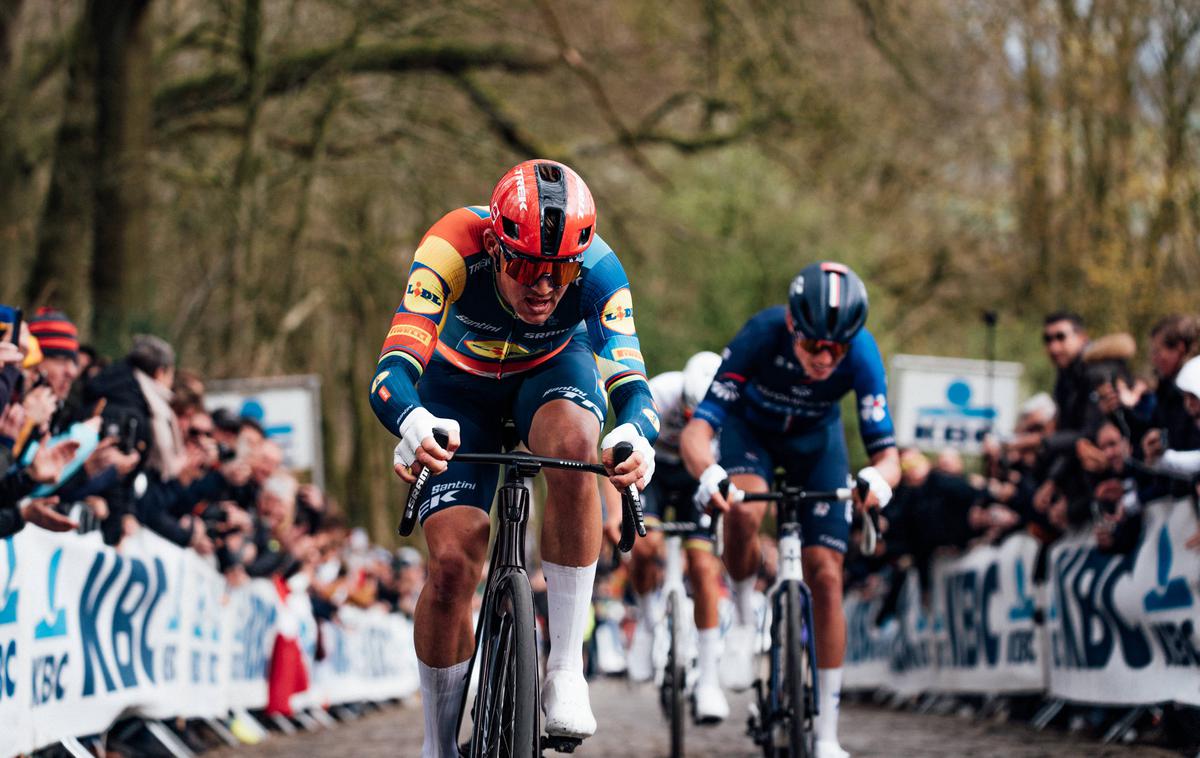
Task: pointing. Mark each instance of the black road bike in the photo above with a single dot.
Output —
(506, 713)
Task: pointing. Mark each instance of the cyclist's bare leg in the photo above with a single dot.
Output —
(645, 563)
(742, 552)
(457, 538)
(823, 575)
(571, 527)
(571, 532)
(704, 574)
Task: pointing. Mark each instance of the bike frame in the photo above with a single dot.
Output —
(508, 557)
(791, 570)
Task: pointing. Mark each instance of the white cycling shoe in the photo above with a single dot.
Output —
(640, 664)
(566, 706)
(711, 706)
(830, 749)
(737, 662)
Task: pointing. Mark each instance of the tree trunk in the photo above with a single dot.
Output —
(124, 104)
(63, 262)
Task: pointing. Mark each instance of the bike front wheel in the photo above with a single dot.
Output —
(797, 685)
(506, 703)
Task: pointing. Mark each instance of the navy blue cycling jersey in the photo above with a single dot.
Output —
(761, 382)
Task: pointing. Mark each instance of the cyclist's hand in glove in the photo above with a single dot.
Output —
(708, 494)
(417, 448)
(879, 494)
(637, 468)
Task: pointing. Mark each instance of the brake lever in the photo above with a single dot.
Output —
(633, 522)
(871, 530)
(409, 519)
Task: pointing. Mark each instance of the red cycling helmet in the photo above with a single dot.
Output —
(545, 218)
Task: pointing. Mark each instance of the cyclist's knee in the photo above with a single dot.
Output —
(645, 550)
(744, 518)
(453, 576)
(562, 429)
(824, 576)
(703, 567)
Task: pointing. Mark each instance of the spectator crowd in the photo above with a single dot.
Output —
(122, 445)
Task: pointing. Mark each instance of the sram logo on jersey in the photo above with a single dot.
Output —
(424, 293)
(617, 314)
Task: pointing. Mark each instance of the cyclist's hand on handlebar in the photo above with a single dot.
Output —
(637, 468)
(709, 495)
(418, 449)
(878, 495)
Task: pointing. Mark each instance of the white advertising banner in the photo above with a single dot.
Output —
(973, 631)
(952, 402)
(89, 633)
(986, 639)
(1123, 628)
(289, 409)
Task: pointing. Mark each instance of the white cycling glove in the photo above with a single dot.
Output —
(879, 485)
(631, 434)
(710, 484)
(416, 426)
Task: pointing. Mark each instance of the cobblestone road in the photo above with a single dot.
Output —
(630, 725)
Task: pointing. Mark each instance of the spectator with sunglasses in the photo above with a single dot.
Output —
(518, 310)
(776, 402)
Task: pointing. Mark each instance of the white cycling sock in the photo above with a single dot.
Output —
(441, 696)
(743, 599)
(569, 599)
(709, 652)
(829, 681)
(648, 609)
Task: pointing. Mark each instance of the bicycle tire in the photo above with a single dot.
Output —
(506, 720)
(797, 683)
(673, 677)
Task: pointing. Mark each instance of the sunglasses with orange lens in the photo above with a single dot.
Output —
(528, 270)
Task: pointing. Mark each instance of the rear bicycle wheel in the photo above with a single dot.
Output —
(673, 682)
(506, 703)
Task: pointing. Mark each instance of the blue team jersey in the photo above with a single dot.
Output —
(761, 382)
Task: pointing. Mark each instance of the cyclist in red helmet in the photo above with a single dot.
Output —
(516, 311)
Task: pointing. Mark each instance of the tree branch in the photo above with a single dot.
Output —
(225, 87)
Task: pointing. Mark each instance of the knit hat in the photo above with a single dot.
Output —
(55, 333)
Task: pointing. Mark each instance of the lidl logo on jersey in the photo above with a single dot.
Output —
(424, 293)
(617, 314)
(497, 349)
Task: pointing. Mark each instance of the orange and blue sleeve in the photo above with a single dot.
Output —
(608, 309)
(436, 279)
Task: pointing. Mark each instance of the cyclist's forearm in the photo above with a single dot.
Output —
(887, 463)
(695, 446)
(394, 391)
(633, 404)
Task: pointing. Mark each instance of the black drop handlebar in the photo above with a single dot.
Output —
(795, 495)
(633, 522)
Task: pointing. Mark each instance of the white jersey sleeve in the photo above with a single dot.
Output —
(667, 389)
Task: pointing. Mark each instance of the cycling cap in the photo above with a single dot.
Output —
(698, 374)
(827, 301)
(543, 209)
